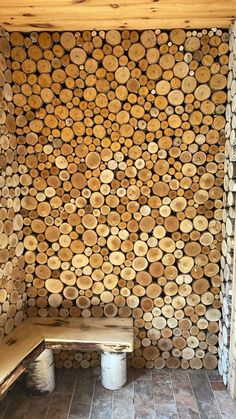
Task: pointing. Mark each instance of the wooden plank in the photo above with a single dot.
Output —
(84, 12)
(14, 350)
(102, 402)
(19, 404)
(82, 397)
(97, 14)
(126, 394)
(210, 4)
(22, 367)
(214, 8)
(141, 24)
(144, 405)
(226, 404)
(38, 405)
(86, 333)
(185, 400)
(163, 394)
(204, 395)
(5, 402)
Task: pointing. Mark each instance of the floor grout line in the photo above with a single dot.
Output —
(155, 406)
(49, 405)
(132, 378)
(112, 405)
(214, 395)
(52, 395)
(91, 406)
(72, 396)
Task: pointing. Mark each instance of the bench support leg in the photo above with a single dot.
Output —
(40, 376)
(114, 370)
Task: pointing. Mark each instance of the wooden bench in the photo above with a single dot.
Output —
(29, 347)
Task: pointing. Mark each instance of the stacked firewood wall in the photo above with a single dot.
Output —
(12, 285)
(228, 244)
(121, 165)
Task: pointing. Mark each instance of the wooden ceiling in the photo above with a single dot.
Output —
(39, 15)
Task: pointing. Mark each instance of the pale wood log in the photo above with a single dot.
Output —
(40, 378)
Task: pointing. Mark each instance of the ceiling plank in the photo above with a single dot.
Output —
(144, 11)
(28, 15)
(137, 24)
(189, 5)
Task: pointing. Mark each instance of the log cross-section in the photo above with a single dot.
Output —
(120, 141)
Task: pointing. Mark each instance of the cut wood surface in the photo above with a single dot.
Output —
(12, 262)
(113, 335)
(120, 163)
(227, 335)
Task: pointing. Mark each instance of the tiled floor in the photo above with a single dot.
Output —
(149, 394)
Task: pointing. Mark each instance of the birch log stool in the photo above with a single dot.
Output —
(29, 348)
(40, 376)
(114, 370)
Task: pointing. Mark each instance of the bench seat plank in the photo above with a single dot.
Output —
(15, 347)
(108, 334)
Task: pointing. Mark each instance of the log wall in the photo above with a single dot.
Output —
(120, 143)
(227, 352)
(12, 274)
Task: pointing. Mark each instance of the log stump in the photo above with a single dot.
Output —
(40, 376)
(113, 370)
